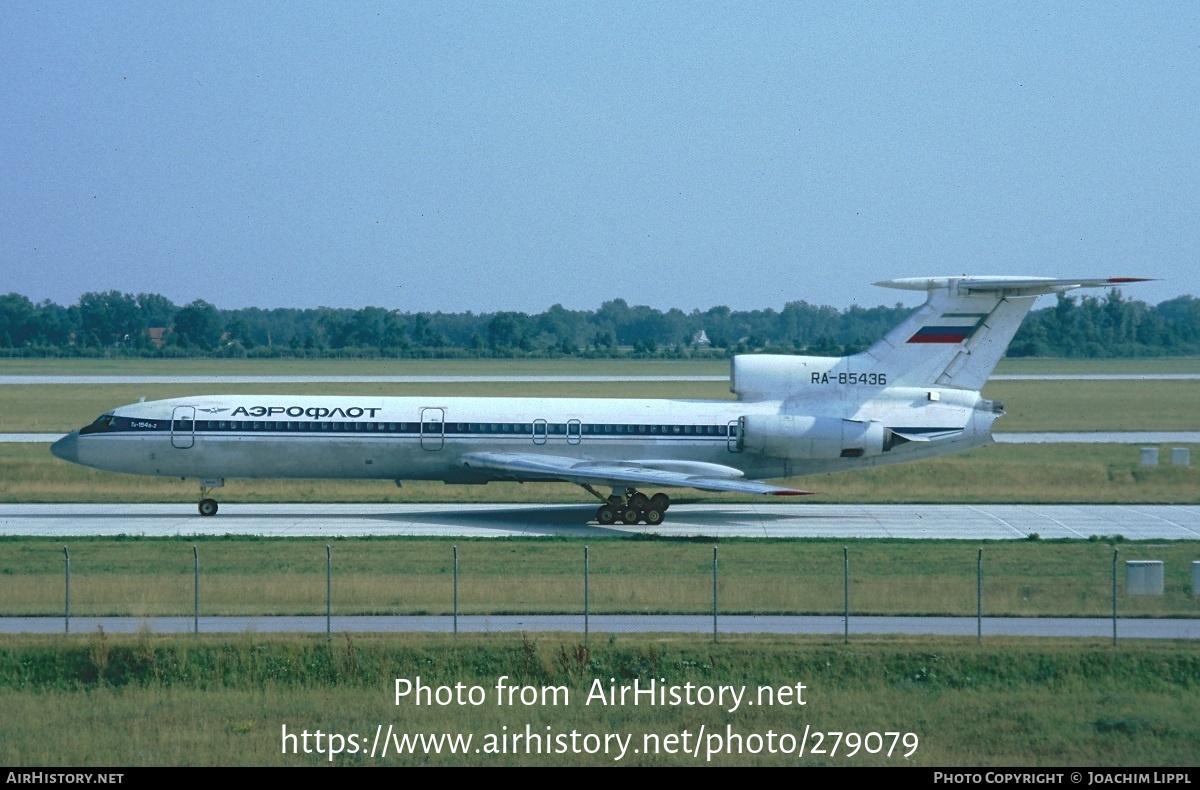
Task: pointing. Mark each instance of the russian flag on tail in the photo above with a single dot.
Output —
(950, 328)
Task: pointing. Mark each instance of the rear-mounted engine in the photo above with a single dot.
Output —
(782, 436)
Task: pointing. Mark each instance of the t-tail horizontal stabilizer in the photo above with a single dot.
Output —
(956, 338)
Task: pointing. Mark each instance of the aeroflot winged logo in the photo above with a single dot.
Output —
(950, 328)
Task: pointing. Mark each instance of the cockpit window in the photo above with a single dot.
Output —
(105, 422)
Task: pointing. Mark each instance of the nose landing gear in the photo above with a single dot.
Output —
(208, 506)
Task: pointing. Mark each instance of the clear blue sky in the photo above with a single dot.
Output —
(507, 156)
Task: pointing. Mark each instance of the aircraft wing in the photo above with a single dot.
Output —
(645, 472)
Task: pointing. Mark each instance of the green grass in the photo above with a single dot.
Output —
(1148, 365)
(1065, 473)
(1097, 405)
(54, 408)
(154, 576)
(96, 700)
(506, 367)
(1002, 473)
(362, 367)
(1019, 474)
(1030, 405)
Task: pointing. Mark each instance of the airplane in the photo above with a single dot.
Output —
(914, 394)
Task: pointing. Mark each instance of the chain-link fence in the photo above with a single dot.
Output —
(562, 585)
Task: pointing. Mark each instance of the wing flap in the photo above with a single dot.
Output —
(706, 477)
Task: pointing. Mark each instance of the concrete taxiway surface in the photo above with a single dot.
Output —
(1087, 627)
(964, 522)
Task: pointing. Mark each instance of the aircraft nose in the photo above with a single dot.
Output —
(67, 448)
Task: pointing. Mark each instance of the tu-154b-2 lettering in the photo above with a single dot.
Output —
(914, 394)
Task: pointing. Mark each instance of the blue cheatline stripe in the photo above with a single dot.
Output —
(449, 429)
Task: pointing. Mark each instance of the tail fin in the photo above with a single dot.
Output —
(956, 338)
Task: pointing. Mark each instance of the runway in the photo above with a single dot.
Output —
(1076, 627)
(958, 522)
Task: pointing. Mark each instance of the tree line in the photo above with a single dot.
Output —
(150, 325)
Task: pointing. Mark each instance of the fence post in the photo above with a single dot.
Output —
(714, 593)
(67, 596)
(456, 592)
(1114, 590)
(328, 594)
(979, 598)
(846, 593)
(585, 595)
(196, 590)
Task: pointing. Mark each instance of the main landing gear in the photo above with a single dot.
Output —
(208, 506)
(631, 507)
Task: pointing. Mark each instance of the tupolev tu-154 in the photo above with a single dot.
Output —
(914, 394)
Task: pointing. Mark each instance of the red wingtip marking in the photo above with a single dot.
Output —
(791, 492)
(1129, 279)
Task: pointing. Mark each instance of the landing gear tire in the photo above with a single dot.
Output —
(630, 506)
(208, 507)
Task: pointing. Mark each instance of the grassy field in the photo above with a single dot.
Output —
(97, 700)
(506, 367)
(37, 408)
(1051, 473)
(1102, 473)
(154, 576)
(362, 367)
(1030, 405)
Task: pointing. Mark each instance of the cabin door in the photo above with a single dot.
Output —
(183, 427)
(433, 428)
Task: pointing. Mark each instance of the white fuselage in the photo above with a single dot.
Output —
(423, 438)
(913, 394)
